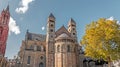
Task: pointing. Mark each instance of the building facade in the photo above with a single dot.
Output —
(3, 62)
(4, 22)
(58, 48)
(11, 63)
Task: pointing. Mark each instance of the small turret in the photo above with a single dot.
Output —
(71, 22)
(51, 27)
(26, 36)
(51, 18)
(72, 28)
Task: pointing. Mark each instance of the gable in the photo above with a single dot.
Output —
(61, 31)
(63, 35)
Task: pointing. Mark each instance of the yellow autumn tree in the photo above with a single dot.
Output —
(102, 40)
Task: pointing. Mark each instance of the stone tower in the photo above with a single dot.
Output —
(50, 41)
(72, 28)
(4, 22)
(73, 32)
(64, 49)
(66, 46)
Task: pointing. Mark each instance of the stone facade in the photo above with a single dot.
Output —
(11, 63)
(32, 53)
(3, 62)
(55, 49)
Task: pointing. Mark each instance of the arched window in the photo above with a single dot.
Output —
(68, 48)
(41, 57)
(38, 48)
(41, 64)
(31, 47)
(58, 48)
(28, 61)
(73, 29)
(51, 30)
(73, 33)
(51, 25)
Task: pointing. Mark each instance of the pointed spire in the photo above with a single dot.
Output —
(7, 7)
(72, 21)
(26, 36)
(27, 31)
(51, 16)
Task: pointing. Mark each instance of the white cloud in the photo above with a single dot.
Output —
(118, 22)
(13, 27)
(43, 28)
(24, 5)
(111, 18)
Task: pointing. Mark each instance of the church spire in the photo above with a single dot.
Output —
(72, 28)
(7, 7)
(72, 21)
(51, 18)
(4, 29)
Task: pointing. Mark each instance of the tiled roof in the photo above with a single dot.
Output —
(62, 30)
(38, 37)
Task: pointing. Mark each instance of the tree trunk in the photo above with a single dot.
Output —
(109, 62)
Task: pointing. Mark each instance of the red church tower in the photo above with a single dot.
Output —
(4, 28)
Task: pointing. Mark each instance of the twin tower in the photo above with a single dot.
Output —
(61, 45)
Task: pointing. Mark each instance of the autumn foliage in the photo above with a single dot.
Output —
(102, 40)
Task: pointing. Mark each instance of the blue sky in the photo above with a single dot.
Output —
(35, 17)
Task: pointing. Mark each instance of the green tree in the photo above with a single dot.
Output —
(102, 40)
